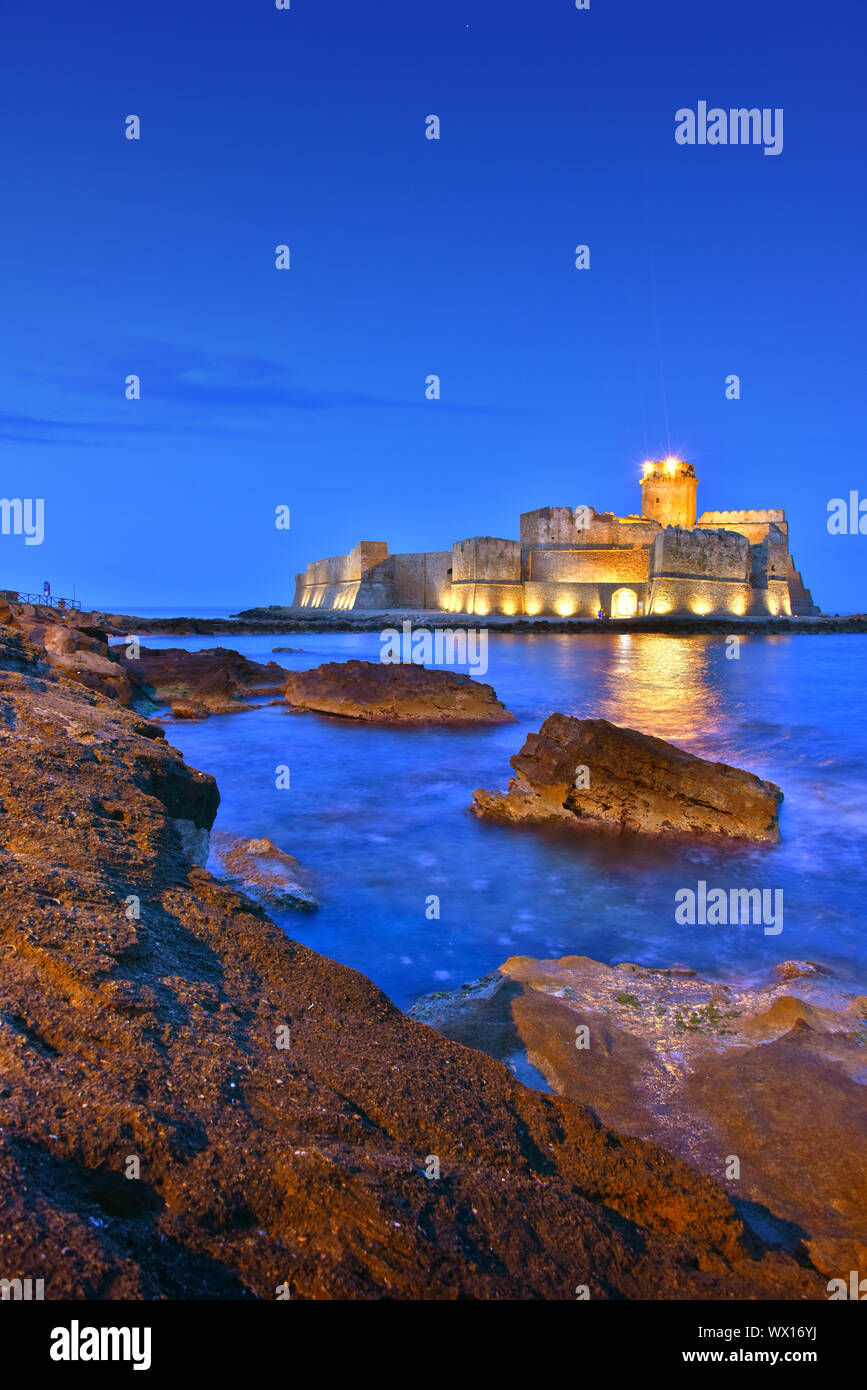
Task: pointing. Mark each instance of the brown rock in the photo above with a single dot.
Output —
(636, 783)
(707, 1070)
(81, 653)
(797, 969)
(394, 693)
(263, 1165)
(196, 684)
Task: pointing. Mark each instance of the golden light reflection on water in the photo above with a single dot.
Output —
(660, 685)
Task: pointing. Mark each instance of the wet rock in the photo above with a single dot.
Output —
(394, 693)
(711, 1071)
(797, 969)
(594, 775)
(265, 871)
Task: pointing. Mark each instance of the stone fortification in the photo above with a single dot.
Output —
(576, 561)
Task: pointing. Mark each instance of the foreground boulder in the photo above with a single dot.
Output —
(394, 694)
(589, 773)
(772, 1075)
(281, 1109)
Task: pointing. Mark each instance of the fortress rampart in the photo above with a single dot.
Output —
(577, 561)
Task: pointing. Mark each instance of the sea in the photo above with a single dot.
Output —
(420, 895)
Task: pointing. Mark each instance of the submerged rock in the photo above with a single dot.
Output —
(394, 694)
(282, 1110)
(767, 1076)
(263, 869)
(592, 774)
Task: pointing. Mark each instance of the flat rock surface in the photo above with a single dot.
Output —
(592, 774)
(394, 693)
(773, 1076)
(142, 1004)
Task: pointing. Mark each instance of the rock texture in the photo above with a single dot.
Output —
(141, 1007)
(80, 651)
(590, 773)
(773, 1076)
(394, 694)
(196, 684)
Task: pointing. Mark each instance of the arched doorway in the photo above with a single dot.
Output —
(624, 603)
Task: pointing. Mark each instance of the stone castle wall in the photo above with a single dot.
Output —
(567, 600)
(700, 572)
(335, 582)
(588, 566)
(681, 553)
(552, 527)
(422, 580)
(486, 576)
(753, 523)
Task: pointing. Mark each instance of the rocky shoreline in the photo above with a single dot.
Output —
(194, 1106)
(279, 619)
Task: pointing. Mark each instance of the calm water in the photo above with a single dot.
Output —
(380, 815)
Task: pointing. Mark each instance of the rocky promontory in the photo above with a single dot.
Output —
(194, 1106)
(399, 693)
(591, 774)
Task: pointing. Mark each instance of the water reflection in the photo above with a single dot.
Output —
(660, 685)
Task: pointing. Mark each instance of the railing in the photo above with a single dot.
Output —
(49, 601)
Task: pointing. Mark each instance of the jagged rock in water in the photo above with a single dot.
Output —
(592, 774)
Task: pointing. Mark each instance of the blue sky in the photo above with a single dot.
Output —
(410, 257)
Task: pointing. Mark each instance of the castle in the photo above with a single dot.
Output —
(580, 562)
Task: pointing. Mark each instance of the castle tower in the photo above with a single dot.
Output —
(668, 490)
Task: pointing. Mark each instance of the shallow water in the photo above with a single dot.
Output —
(380, 815)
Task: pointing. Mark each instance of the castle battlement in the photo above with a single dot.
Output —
(578, 561)
(751, 515)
